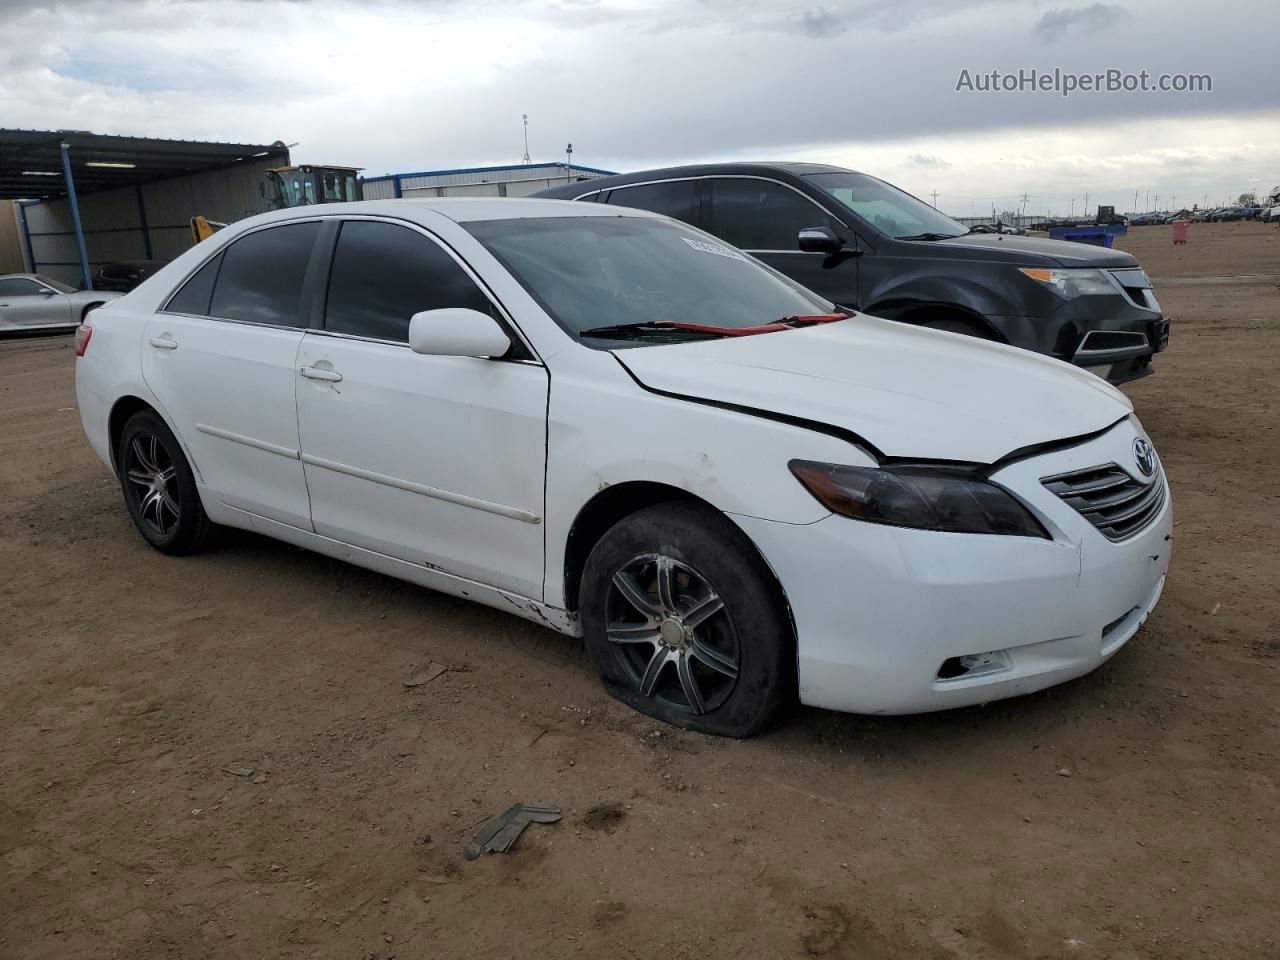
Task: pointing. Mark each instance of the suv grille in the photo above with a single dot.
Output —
(1114, 502)
(1112, 340)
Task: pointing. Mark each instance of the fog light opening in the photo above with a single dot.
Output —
(974, 665)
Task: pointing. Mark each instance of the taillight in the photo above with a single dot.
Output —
(83, 333)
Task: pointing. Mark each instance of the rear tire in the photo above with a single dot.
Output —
(159, 487)
(684, 623)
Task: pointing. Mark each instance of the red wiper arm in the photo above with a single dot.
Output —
(813, 319)
(786, 323)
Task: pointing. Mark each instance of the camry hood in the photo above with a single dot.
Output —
(907, 391)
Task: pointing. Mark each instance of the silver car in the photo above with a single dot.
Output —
(32, 302)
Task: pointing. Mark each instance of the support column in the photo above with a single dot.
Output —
(142, 219)
(75, 216)
(26, 236)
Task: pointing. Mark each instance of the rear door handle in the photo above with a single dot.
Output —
(164, 343)
(319, 373)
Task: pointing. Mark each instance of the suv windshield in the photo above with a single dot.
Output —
(591, 272)
(887, 208)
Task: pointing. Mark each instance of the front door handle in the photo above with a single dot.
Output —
(164, 343)
(319, 373)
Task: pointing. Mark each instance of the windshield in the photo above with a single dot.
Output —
(56, 284)
(591, 272)
(887, 208)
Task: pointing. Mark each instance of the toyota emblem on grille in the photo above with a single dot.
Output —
(1144, 456)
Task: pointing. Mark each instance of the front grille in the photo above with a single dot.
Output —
(1114, 502)
(1112, 340)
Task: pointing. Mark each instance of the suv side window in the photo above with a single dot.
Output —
(262, 275)
(19, 287)
(674, 198)
(383, 274)
(762, 215)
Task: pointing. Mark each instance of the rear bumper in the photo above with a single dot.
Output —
(885, 615)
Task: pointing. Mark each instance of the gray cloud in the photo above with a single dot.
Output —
(418, 84)
(1082, 21)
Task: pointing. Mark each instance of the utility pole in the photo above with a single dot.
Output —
(1147, 205)
(1084, 211)
(1135, 200)
(935, 198)
(1072, 214)
(1024, 209)
(525, 117)
(1173, 203)
(1157, 201)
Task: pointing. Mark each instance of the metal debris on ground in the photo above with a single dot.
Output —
(426, 676)
(500, 834)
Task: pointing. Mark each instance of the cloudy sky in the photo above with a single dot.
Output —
(397, 85)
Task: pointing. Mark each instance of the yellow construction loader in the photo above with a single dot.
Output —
(300, 186)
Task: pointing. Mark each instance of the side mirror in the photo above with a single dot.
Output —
(819, 240)
(457, 332)
(46, 292)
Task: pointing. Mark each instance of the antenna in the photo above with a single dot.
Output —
(525, 119)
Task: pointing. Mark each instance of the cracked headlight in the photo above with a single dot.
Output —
(921, 497)
(1072, 283)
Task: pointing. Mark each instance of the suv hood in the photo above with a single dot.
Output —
(1025, 251)
(908, 391)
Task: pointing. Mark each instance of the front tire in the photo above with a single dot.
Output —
(159, 487)
(684, 623)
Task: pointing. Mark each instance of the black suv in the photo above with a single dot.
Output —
(867, 245)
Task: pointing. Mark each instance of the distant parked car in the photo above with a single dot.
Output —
(123, 275)
(1226, 214)
(868, 246)
(1145, 219)
(1273, 213)
(998, 227)
(32, 302)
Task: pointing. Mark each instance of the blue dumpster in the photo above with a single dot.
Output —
(1099, 235)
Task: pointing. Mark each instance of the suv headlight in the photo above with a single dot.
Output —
(921, 497)
(1072, 283)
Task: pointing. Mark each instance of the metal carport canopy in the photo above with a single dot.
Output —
(52, 164)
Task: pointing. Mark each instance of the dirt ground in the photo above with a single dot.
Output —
(1129, 814)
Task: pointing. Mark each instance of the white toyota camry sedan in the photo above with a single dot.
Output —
(615, 425)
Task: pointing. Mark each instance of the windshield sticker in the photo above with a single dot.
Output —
(718, 249)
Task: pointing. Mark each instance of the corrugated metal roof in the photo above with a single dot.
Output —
(31, 160)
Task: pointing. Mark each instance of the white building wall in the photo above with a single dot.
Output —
(520, 181)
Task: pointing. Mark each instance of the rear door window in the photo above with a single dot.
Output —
(193, 296)
(761, 214)
(384, 273)
(262, 274)
(674, 198)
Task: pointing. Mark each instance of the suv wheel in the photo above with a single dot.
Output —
(159, 487)
(684, 623)
(956, 325)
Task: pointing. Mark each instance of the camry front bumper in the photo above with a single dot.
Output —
(892, 620)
